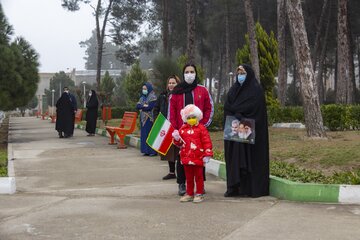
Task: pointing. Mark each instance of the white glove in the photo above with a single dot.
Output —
(206, 159)
(175, 134)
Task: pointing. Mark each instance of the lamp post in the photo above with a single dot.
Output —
(52, 101)
(84, 94)
(231, 74)
(52, 106)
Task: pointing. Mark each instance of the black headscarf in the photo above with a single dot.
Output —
(184, 87)
(92, 101)
(247, 165)
(242, 100)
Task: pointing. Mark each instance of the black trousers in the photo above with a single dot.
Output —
(180, 173)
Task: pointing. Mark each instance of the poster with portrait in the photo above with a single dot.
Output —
(239, 130)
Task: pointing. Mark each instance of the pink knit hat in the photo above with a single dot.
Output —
(191, 110)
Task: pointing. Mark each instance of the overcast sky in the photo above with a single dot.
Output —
(54, 32)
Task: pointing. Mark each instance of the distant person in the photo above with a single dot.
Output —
(92, 105)
(195, 150)
(74, 108)
(162, 105)
(189, 92)
(247, 165)
(146, 104)
(64, 116)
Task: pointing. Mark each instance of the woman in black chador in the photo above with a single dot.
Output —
(247, 165)
(92, 105)
(64, 116)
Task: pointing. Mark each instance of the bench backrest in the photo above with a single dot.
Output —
(129, 121)
(78, 115)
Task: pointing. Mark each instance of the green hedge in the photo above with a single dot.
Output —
(335, 116)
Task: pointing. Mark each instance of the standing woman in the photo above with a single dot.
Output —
(247, 165)
(162, 105)
(64, 116)
(146, 104)
(185, 93)
(92, 105)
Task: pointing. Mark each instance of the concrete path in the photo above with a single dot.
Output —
(83, 188)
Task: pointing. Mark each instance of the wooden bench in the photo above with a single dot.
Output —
(78, 116)
(127, 126)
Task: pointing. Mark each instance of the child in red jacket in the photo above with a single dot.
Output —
(195, 150)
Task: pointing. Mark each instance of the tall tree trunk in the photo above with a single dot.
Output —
(344, 82)
(282, 74)
(227, 47)
(190, 17)
(358, 58)
(318, 34)
(352, 86)
(211, 75)
(320, 73)
(254, 56)
(219, 90)
(100, 37)
(311, 105)
(165, 28)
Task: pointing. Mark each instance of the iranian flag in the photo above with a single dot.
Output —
(160, 138)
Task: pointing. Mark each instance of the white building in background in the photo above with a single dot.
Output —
(78, 76)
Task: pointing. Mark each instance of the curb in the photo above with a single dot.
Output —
(8, 184)
(279, 188)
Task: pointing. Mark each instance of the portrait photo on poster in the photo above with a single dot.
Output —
(239, 130)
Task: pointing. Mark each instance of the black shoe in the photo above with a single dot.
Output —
(182, 189)
(169, 176)
(61, 136)
(230, 193)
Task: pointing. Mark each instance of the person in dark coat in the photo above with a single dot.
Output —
(64, 116)
(74, 109)
(145, 105)
(247, 165)
(92, 105)
(162, 105)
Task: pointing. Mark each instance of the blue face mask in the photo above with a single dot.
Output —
(145, 92)
(241, 78)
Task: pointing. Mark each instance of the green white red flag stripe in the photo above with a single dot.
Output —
(160, 138)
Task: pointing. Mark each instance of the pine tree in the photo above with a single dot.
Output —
(268, 57)
(133, 84)
(107, 88)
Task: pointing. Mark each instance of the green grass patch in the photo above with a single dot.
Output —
(3, 163)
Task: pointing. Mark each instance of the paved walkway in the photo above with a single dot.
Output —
(83, 188)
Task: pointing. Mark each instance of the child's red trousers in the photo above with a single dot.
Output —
(194, 174)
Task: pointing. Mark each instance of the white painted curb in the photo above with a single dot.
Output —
(349, 194)
(8, 184)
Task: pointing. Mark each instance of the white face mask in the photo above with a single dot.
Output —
(90, 94)
(189, 77)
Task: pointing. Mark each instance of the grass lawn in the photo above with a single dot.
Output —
(341, 152)
(3, 148)
(292, 154)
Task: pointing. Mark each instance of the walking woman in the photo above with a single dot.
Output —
(92, 105)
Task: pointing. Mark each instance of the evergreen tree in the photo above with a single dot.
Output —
(163, 67)
(107, 88)
(268, 57)
(133, 84)
(18, 69)
(58, 82)
(119, 98)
